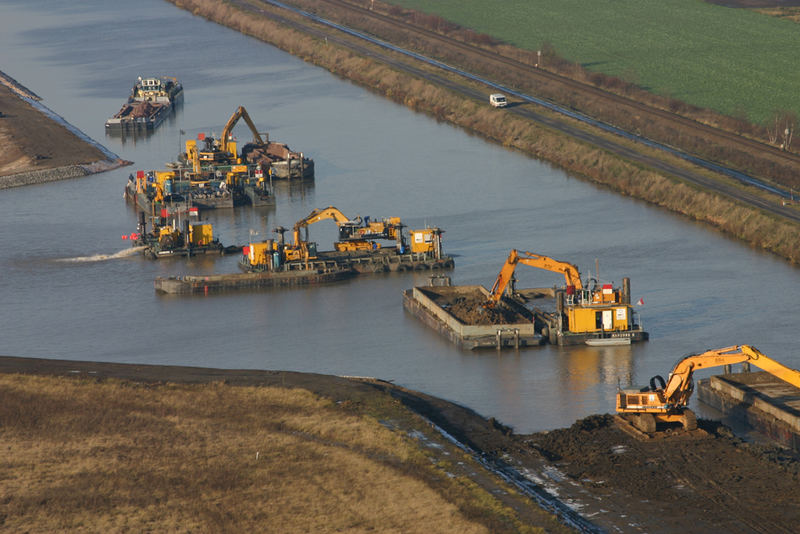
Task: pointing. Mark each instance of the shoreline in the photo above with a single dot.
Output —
(758, 220)
(554, 472)
(26, 122)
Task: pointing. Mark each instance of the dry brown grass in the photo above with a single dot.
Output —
(790, 12)
(748, 224)
(112, 456)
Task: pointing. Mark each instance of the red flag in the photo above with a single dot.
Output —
(201, 136)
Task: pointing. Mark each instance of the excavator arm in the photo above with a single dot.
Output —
(679, 381)
(570, 272)
(240, 113)
(669, 402)
(320, 215)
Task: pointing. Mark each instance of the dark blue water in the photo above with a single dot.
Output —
(60, 299)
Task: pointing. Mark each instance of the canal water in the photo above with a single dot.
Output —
(65, 292)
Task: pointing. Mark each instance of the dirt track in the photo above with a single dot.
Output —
(706, 481)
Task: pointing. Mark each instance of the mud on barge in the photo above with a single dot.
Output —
(445, 309)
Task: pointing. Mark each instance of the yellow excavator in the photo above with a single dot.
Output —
(226, 143)
(354, 234)
(222, 151)
(666, 401)
(600, 312)
(571, 274)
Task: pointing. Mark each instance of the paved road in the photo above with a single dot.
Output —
(420, 68)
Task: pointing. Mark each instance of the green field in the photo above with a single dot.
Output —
(735, 61)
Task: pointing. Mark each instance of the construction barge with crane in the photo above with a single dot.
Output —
(276, 262)
(473, 317)
(213, 173)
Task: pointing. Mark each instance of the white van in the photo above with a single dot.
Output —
(498, 100)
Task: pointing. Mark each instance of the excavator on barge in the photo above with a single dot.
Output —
(667, 401)
(356, 246)
(597, 315)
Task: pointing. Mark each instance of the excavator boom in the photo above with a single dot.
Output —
(240, 113)
(317, 215)
(570, 272)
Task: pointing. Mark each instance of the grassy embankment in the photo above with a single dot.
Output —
(704, 54)
(748, 224)
(764, 164)
(116, 456)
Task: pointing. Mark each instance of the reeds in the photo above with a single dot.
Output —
(741, 222)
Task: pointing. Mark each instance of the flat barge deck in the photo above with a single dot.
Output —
(327, 267)
(758, 400)
(204, 284)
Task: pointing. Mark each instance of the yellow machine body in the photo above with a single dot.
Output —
(422, 241)
(259, 253)
(353, 246)
(594, 318)
(201, 234)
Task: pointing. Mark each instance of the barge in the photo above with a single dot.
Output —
(446, 309)
(151, 101)
(314, 273)
(174, 234)
(595, 315)
(225, 188)
(276, 160)
(759, 401)
(353, 252)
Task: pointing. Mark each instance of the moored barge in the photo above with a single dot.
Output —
(204, 284)
(151, 101)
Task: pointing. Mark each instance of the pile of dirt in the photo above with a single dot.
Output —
(705, 480)
(472, 310)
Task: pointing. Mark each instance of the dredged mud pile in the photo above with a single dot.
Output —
(705, 480)
(472, 310)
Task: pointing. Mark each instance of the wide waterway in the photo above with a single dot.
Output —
(60, 297)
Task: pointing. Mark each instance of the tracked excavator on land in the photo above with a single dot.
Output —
(667, 401)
